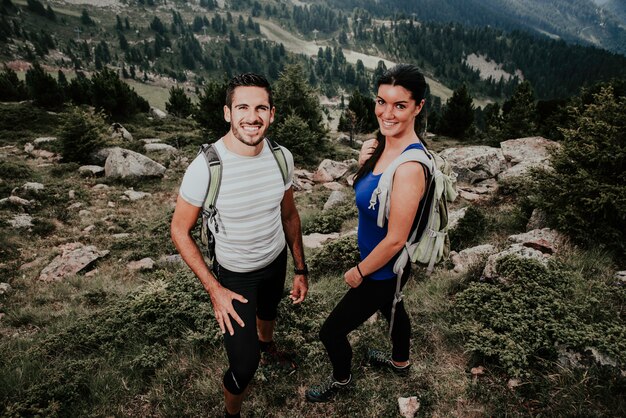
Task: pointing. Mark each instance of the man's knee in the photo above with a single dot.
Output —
(238, 376)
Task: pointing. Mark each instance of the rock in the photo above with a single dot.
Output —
(162, 148)
(329, 170)
(28, 148)
(134, 195)
(537, 220)
(475, 163)
(110, 204)
(333, 185)
(71, 194)
(335, 198)
(84, 213)
(521, 170)
(469, 196)
(470, 256)
(21, 221)
(513, 383)
(44, 139)
(408, 406)
(118, 131)
(120, 235)
(151, 140)
(16, 200)
(91, 170)
(620, 278)
(454, 216)
(101, 155)
(5, 288)
(75, 205)
(157, 113)
(33, 186)
(101, 186)
(534, 148)
(305, 174)
(545, 240)
(171, 259)
(89, 228)
(490, 272)
(74, 258)
(477, 371)
(143, 264)
(316, 240)
(123, 163)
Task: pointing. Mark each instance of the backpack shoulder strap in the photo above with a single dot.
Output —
(214, 163)
(383, 192)
(280, 158)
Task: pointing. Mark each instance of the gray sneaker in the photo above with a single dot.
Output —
(325, 391)
(382, 360)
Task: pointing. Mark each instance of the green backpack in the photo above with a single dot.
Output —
(209, 210)
(428, 242)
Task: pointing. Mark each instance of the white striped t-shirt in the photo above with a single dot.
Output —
(250, 229)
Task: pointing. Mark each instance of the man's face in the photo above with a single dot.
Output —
(250, 114)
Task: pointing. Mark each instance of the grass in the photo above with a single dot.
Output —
(121, 343)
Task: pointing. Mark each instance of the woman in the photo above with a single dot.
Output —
(399, 100)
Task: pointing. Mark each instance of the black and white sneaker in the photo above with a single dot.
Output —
(383, 360)
(325, 391)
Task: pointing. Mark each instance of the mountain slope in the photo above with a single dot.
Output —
(573, 20)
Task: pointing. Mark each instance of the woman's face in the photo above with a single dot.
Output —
(396, 110)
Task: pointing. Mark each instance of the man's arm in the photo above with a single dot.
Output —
(183, 221)
(293, 234)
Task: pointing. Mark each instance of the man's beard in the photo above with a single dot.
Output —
(247, 141)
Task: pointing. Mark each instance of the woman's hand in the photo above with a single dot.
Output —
(367, 149)
(353, 277)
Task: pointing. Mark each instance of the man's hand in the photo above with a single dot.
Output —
(300, 288)
(367, 149)
(353, 278)
(222, 300)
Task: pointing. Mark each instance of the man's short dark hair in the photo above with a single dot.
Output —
(247, 80)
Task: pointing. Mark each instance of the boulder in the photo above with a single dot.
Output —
(143, 264)
(162, 148)
(21, 221)
(15, 200)
(91, 170)
(5, 288)
(335, 198)
(491, 273)
(123, 163)
(475, 163)
(545, 240)
(157, 113)
(333, 185)
(44, 139)
(470, 256)
(151, 140)
(74, 258)
(522, 169)
(134, 195)
(316, 240)
(329, 170)
(534, 148)
(118, 131)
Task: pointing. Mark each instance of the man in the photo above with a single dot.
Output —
(256, 218)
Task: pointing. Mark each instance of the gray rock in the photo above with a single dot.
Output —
(16, 200)
(118, 131)
(151, 140)
(545, 240)
(21, 221)
(408, 406)
(44, 139)
(475, 163)
(134, 195)
(470, 256)
(537, 220)
(5, 288)
(171, 259)
(162, 148)
(91, 170)
(454, 216)
(534, 148)
(157, 113)
(329, 170)
(316, 240)
(335, 198)
(491, 273)
(123, 163)
(121, 235)
(333, 185)
(74, 258)
(143, 264)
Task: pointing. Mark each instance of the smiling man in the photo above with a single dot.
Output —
(255, 219)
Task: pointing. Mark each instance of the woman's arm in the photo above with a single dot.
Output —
(409, 185)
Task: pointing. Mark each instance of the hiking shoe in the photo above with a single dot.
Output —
(383, 360)
(325, 391)
(272, 357)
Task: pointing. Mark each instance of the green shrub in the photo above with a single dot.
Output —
(517, 325)
(114, 96)
(470, 230)
(15, 170)
(584, 194)
(336, 256)
(330, 220)
(82, 133)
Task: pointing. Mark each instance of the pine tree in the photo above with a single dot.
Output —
(11, 87)
(458, 114)
(179, 104)
(209, 112)
(43, 88)
(520, 113)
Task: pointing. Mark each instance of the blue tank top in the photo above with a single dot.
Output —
(369, 234)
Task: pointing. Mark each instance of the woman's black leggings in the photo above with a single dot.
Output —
(356, 307)
(263, 289)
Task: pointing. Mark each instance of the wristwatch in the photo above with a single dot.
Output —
(303, 271)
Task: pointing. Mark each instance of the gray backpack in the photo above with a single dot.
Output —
(432, 244)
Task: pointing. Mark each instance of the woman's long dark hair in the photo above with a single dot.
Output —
(412, 79)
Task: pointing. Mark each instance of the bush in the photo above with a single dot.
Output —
(584, 194)
(11, 87)
(210, 111)
(519, 325)
(470, 230)
(336, 257)
(331, 220)
(82, 133)
(114, 96)
(296, 136)
(10, 170)
(43, 88)
(179, 104)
